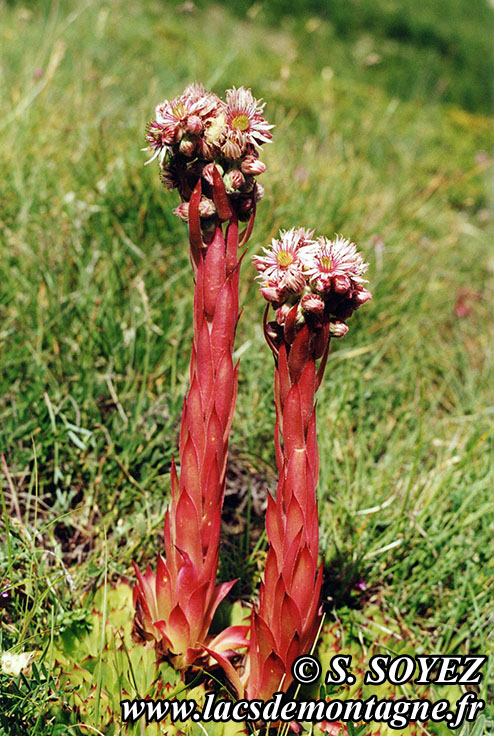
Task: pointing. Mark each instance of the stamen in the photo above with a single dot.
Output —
(326, 263)
(284, 258)
(240, 122)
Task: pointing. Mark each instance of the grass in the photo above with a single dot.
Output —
(441, 50)
(95, 307)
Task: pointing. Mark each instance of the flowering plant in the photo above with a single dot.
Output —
(314, 286)
(207, 149)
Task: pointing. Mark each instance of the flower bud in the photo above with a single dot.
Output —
(341, 283)
(337, 329)
(252, 165)
(245, 205)
(208, 150)
(312, 303)
(361, 296)
(259, 192)
(187, 147)
(324, 282)
(194, 125)
(233, 180)
(231, 149)
(272, 293)
(281, 313)
(272, 330)
(206, 207)
(207, 172)
(182, 211)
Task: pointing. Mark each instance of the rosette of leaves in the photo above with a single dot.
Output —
(95, 669)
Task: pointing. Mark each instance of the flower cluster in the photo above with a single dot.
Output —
(197, 132)
(317, 281)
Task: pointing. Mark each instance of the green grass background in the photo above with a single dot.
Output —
(383, 133)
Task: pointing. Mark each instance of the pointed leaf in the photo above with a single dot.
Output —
(232, 244)
(178, 630)
(224, 324)
(225, 377)
(187, 528)
(290, 325)
(293, 426)
(220, 592)
(299, 353)
(189, 472)
(291, 623)
(195, 611)
(245, 235)
(195, 235)
(273, 677)
(273, 527)
(221, 197)
(284, 374)
(193, 418)
(307, 387)
(313, 612)
(228, 669)
(230, 639)
(205, 372)
(304, 575)
(163, 590)
(271, 577)
(214, 272)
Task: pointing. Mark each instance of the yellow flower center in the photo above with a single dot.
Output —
(178, 110)
(284, 258)
(326, 263)
(240, 122)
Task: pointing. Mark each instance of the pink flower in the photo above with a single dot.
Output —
(186, 112)
(333, 264)
(281, 313)
(245, 122)
(187, 147)
(361, 295)
(282, 261)
(208, 170)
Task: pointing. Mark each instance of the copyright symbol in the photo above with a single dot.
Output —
(306, 669)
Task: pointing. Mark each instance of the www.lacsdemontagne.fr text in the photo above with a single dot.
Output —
(395, 713)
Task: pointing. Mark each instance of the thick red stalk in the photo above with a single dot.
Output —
(286, 621)
(176, 605)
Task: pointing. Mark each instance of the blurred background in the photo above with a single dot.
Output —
(383, 113)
